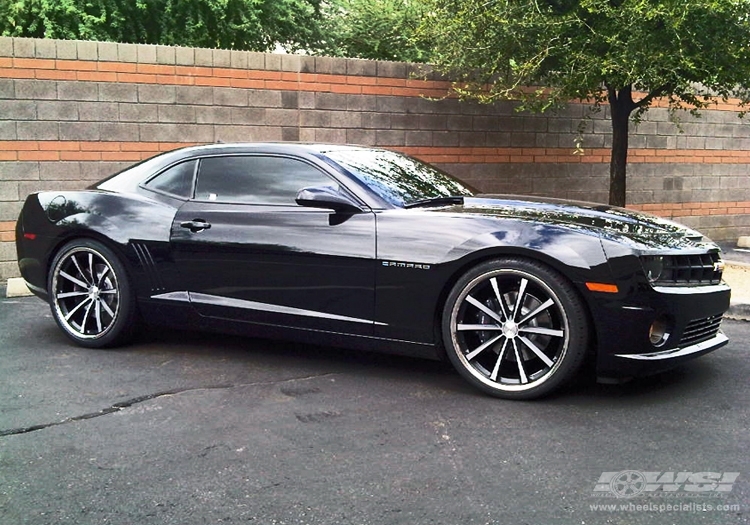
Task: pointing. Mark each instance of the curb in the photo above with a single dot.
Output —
(739, 307)
(17, 288)
(738, 311)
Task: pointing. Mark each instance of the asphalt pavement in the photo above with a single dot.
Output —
(183, 428)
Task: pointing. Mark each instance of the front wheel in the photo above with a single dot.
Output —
(90, 295)
(515, 328)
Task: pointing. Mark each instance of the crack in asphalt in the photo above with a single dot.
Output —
(148, 397)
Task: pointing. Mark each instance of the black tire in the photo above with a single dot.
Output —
(90, 295)
(486, 337)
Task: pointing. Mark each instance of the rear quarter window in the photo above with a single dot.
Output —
(176, 180)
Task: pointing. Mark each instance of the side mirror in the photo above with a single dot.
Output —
(328, 198)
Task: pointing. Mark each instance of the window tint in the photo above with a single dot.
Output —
(177, 180)
(256, 179)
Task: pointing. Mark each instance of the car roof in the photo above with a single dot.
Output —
(128, 179)
(265, 147)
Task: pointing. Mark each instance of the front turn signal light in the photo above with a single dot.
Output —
(602, 287)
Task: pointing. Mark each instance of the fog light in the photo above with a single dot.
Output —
(658, 333)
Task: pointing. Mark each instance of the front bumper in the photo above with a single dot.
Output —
(695, 350)
(624, 349)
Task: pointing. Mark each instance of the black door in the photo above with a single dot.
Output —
(247, 252)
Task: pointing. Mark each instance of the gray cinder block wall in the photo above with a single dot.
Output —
(73, 112)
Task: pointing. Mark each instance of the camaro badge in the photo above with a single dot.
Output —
(415, 266)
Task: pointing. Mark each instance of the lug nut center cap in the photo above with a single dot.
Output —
(510, 329)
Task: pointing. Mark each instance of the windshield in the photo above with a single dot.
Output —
(396, 178)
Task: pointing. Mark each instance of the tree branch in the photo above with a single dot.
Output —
(661, 90)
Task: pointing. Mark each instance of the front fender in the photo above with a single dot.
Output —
(572, 253)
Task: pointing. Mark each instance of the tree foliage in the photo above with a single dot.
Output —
(257, 25)
(626, 53)
(374, 29)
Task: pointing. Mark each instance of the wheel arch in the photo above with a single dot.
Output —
(477, 258)
(69, 236)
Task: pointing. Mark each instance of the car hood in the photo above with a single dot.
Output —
(641, 230)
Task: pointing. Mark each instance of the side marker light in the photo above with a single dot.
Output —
(602, 287)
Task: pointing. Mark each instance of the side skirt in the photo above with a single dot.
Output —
(181, 315)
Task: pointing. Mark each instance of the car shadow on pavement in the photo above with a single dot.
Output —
(689, 377)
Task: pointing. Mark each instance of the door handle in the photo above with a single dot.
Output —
(196, 225)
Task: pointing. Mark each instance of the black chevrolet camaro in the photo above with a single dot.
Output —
(367, 248)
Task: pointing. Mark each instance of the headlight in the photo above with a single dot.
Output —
(654, 266)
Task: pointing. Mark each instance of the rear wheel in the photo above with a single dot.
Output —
(90, 295)
(515, 328)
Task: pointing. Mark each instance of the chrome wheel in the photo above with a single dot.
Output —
(514, 328)
(88, 294)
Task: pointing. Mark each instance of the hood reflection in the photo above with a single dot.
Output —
(640, 229)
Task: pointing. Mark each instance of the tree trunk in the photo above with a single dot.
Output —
(621, 105)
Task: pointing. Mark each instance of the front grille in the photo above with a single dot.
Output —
(691, 270)
(700, 330)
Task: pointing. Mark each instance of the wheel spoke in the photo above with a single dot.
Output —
(541, 355)
(91, 267)
(80, 272)
(98, 315)
(542, 331)
(495, 370)
(78, 307)
(483, 347)
(86, 316)
(478, 327)
(499, 297)
(521, 371)
(73, 279)
(540, 309)
(519, 299)
(483, 308)
(107, 309)
(101, 276)
(65, 295)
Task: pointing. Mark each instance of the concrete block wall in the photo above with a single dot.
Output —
(74, 112)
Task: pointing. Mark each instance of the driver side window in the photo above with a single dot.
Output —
(255, 179)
